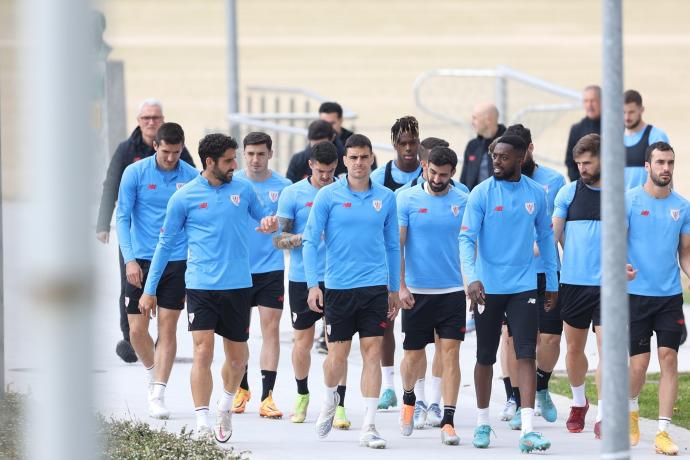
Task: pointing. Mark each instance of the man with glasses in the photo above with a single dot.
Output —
(137, 147)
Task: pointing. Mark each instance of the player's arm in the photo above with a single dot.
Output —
(391, 236)
(560, 212)
(547, 250)
(684, 253)
(286, 239)
(123, 219)
(268, 223)
(472, 221)
(311, 239)
(175, 217)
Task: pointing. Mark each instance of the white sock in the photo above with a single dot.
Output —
(157, 390)
(328, 396)
(633, 404)
(370, 405)
(150, 374)
(388, 372)
(663, 424)
(579, 399)
(435, 393)
(201, 416)
(419, 390)
(483, 417)
(600, 410)
(225, 402)
(527, 415)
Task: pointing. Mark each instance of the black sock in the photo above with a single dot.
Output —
(542, 379)
(409, 397)
(268, 381)
(509, 387)
(244, 384)
(448, 415)
(302, 387)
(341, 391)
(516, 397)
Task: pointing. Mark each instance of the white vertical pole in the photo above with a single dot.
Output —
(58, 64)
(614, 297)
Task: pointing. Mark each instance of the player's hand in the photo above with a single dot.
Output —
(550, 301)
(135, 275)
(147, 305)
(406, 298)
(268, 225)
(315, 299)
(103, 237)
(393, 305)
(630, 272)
(296, 241)
(475, 291)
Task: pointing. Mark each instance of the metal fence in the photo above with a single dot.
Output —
(449, 95)
(285, 113)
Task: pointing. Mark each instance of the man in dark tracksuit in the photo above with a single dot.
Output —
(138, 146)
(476, 165)
(591, 123)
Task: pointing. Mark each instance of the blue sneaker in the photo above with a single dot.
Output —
(420, 411)
(388, 399)
(482, 436)
(434, 415)
(516, 422)
(548, 410)
(533, 441)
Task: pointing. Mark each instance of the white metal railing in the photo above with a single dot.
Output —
(448, 95)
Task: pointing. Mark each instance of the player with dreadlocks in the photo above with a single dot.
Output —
(393, 175)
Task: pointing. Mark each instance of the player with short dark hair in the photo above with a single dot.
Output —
(550, 323)
(394, 175)
(638, 136)
(213, 212)
(294, 206)
(431, 290)
(361, 288)
(501, 277)
(332, 112)
(659, 218)
(268, 272)
(145, 189)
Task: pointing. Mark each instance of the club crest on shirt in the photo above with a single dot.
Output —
(377, 205)
(179, 185)
(455, 209)
(529, 206)
(675, 214)
(235, 199)
(273, 195)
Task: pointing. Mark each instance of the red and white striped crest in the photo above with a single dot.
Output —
(377, 205)
(235, 199)
(529, 206)
(273, 195)
(675, 214)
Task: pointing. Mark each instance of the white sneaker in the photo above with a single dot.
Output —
(509, 410)
(204, 433)
(223, 428)
(157, 409)
(324, 423)
(434, 415)
(371, 438)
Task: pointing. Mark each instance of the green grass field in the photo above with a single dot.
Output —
(686, 296)
(649, 405)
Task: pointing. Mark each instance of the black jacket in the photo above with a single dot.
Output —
(344, 134)
(475, 150)
(579, 129)
(129, 151)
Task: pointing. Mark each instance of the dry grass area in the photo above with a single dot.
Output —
(367, 54)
